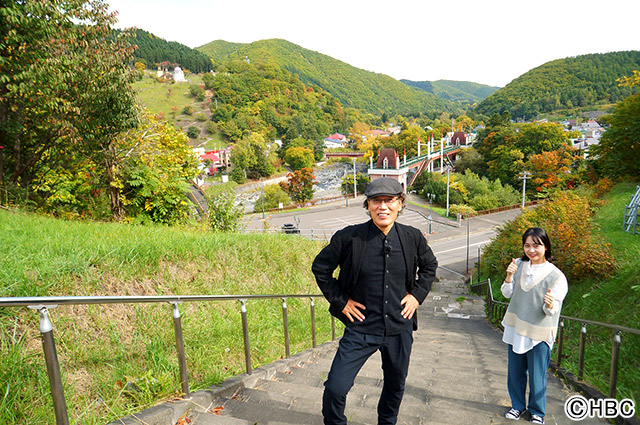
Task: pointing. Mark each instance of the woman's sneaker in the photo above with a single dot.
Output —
(535, 419)
(514, 414)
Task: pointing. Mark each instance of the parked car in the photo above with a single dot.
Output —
(290, 228)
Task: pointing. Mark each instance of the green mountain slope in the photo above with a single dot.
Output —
(353, 87)
(154, 50)
(565, 84)
(464, 92)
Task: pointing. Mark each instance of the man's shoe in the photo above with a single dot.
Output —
(514, 414)
(535, 419)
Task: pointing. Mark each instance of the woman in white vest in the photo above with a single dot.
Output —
(536, 288)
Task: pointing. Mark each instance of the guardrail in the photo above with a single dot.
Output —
(44, 304)
(497, 309)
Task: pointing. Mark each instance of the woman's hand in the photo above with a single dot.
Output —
(548, 300)
(511, 269)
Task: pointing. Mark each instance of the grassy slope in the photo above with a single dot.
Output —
(103, 348)
(161, 97)
(613, 301)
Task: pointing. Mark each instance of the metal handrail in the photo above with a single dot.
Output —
(43, 304)
(496, 310)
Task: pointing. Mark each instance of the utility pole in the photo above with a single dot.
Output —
(468, 233)
(448, 168)
(524, 176)
(420, 144)
(355, 192)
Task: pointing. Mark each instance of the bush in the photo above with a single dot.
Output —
(193, 132)
(238, 175)
(462, 209)
(566, 217)
(187, 110)
(224, 214)
(201, 117)
(272, 196)
(362, 181)
(211, 127)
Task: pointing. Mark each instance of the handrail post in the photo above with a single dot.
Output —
(313, 323)
(182, 359)
(613, 374)
(560, 338)
(53, 366)
(285, 324)
(583, 335)
(245, 334)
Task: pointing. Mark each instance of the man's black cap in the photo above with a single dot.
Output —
(383, 186)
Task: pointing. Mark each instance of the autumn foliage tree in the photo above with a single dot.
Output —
(299, 185)
(554, 169)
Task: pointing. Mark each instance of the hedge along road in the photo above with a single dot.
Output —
(447, 239)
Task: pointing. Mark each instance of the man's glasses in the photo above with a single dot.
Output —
(379, 201)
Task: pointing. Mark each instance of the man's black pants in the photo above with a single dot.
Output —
(354, 350)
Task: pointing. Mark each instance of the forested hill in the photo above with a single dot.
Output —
(154, 50)
(353, 87)
(565, 84)
(456, 91)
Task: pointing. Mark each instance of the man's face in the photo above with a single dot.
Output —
(384, 211)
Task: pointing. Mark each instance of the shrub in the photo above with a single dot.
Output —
(566, 217)
(462, 209)
(224, 214)
(201, 117)
(272, 196)
(187, 110)
(193, 132)
(211, 127)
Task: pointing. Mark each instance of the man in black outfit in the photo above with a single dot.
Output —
(386, 271)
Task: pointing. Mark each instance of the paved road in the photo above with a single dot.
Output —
(447, 238)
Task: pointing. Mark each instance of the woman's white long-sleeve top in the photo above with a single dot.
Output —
(521, 344)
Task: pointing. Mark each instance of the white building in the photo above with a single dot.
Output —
(178, 75)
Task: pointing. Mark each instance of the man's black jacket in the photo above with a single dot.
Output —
(346, 250)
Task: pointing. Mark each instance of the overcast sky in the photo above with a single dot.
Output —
(484, 41)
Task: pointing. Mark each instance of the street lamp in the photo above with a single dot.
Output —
(524, 176)
(430, 197)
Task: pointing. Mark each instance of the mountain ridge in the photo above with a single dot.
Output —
(369, 91)
(583, 81)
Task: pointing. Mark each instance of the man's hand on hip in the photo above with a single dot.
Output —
(352, 310)
(410, 304)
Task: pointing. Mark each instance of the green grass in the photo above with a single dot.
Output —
(616, 301)
(160, 98)
(438, 210)
(103, 348)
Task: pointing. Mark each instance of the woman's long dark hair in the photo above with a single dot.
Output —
(538, 235)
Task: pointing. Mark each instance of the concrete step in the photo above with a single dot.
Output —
(457, 375)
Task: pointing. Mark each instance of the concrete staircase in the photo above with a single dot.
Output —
(457, 376)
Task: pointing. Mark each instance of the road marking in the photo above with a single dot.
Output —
(460, 247)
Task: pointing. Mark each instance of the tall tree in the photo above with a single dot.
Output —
(619, 148)
(65, 82)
